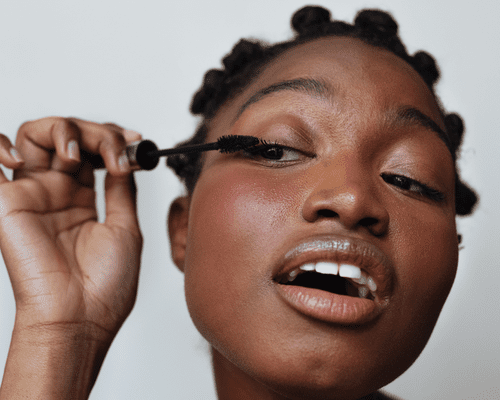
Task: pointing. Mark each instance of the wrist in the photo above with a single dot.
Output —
(33, 331)
(54, 361)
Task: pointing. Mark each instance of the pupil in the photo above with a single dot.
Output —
(402, 182)
(273, 153)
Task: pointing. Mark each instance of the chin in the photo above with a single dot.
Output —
(310, 372)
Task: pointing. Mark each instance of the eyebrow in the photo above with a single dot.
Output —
(312, 87)
(319, 88)
(413, 116)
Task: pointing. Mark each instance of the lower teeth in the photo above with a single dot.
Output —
(363, 292)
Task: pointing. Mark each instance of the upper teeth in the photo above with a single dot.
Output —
(352, 272)
(324, 267)
(327, 268)
(349, 271)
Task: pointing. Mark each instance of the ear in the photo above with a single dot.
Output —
(178, 217)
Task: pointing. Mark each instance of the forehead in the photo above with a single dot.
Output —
(364, 78)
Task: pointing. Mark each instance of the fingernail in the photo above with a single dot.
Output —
(73, 151)
(123, 163)
(16, 155)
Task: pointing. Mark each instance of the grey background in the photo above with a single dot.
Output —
(138, 64)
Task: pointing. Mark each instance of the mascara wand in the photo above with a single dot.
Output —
(145, 155)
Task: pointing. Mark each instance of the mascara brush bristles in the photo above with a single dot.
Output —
(233, 143)
(225, 144)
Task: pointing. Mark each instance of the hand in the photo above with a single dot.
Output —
(65, 267)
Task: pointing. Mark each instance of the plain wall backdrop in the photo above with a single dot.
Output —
(137, 63)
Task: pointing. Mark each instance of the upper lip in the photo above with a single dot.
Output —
(341, 249)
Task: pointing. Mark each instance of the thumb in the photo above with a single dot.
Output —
(121, 202)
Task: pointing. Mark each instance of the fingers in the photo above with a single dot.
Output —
(9, 156)
(70, 137)
(129, 135)
(121, 203)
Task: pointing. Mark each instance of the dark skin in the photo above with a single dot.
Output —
(74, 279)
(364, 122)
(246, 212)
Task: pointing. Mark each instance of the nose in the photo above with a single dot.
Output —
(346, 196)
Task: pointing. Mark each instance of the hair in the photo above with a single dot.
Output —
(249, 57)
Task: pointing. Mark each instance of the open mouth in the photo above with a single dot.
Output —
(343, 279)
(335, 279)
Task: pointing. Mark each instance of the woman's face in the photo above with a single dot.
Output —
(367, 183)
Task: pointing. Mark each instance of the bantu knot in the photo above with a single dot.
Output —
(243, 52)
(426, 66)
(455, 129)
(211, 82)
(198, 103)
(465, 198)
(378, 22)
(213, 78)
(309, 18)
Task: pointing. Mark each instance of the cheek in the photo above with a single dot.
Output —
(236, 228)
(428, 256)
(234, 216)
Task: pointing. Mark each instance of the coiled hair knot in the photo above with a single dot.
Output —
(310, 20)
(376, 22)
(455, 129)
(242, 54)
(465, 197)
(217, 83)
(426, 66)
(211, 84)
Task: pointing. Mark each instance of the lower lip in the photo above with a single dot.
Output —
(330, 307)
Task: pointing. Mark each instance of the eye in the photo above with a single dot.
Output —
(274, 153)
(413, 186)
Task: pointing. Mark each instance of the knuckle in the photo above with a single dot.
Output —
(25, 127)
(68, 124)
(115, 139)
(64, 130)
(43, 123)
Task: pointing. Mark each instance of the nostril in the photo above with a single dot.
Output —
(368, 221)
(325, 213)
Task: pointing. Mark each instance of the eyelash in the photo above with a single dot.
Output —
(411, 185)
(400, 181)
(273, 158)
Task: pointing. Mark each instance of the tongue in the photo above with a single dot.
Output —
(351, 289)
